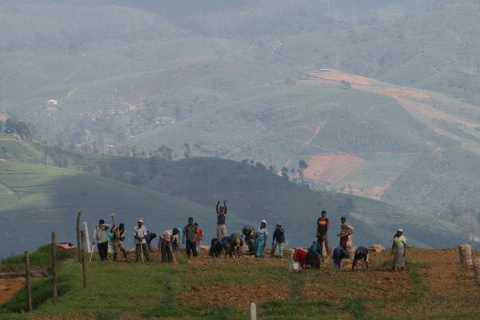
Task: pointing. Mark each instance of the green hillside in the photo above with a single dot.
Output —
(39, 199)
(255, 193)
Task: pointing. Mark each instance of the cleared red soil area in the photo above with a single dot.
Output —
(332, 168)
(9, 286)
(368, 84)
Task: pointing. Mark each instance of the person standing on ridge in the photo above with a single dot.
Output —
(278, 241)
(399, 250)
(346, 235)
(118, 243)
(100, 237)
(261, 237)
(141, 248)
(322, 231)
(189, 234)
(221, 217)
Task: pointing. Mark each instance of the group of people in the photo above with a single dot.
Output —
(255, 241)
(249, 241)
(106, 236)
(320, 249)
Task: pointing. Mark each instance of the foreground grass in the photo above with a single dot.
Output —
(154, 290)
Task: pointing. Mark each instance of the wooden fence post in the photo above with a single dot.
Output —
(476, 271)
(84, 265)
(78, 237)
(27, 281)
(54, 268)
(465, 251)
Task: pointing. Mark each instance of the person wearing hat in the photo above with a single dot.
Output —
(141, 248)
(221, 217)
(399, 250)
(261, 237)
(278, 241)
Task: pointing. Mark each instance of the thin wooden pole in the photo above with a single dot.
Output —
(78, 237)
(54, 268)
(27, 281)
(84, 265)
(87, 237)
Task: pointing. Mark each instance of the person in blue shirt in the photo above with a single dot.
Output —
(338, 255)
(221, 217)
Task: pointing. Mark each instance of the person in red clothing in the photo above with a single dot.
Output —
(299, 260)
(198, 238)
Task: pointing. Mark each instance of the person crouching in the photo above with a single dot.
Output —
(338, 255)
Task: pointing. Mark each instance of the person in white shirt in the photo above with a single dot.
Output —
(141, 248)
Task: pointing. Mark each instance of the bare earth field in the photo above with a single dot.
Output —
(446, 285)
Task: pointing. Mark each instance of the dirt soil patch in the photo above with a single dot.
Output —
(9, 286)
(332, 168)
(443, 282)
